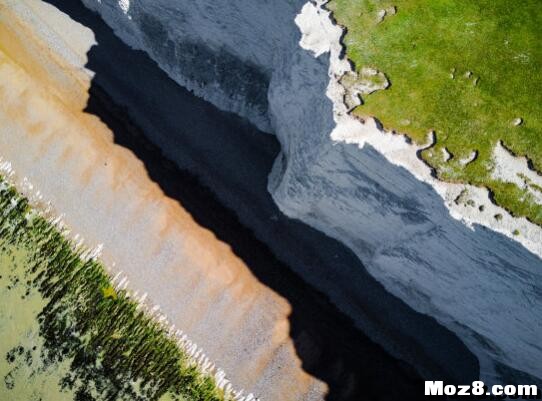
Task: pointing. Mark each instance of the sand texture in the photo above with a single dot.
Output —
(103, 193)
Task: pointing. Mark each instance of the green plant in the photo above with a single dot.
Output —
(92, 336)
(468, 70)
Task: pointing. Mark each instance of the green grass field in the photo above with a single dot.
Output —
(68, 335)
(463, 69)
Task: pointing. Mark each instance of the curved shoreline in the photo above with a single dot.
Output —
(322, 34)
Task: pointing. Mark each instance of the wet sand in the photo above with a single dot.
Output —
(103, 193)
(264, 339)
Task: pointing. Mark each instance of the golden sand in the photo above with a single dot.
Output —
(104, 194)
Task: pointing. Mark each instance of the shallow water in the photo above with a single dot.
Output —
(68, 334)
(24, 374)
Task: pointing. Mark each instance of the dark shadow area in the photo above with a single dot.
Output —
(219, 176)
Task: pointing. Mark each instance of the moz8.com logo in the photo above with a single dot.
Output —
(479, 391)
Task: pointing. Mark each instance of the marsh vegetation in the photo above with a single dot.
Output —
(69, 334)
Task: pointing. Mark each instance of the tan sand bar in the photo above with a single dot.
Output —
(104, 194)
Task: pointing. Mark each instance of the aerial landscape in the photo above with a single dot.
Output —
(334, 200)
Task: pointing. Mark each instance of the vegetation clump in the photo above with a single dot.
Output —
(64, 323)
(468, 70)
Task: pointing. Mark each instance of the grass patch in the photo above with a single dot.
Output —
(469, 70)
(67, 334)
